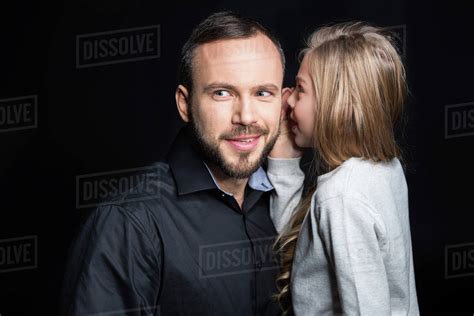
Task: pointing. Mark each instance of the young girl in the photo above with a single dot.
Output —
(346, 247)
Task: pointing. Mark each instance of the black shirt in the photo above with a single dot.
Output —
(189, 250)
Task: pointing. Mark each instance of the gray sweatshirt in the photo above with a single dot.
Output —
(353, 255)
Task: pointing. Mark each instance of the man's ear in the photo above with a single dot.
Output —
(285, 94)
(182, 102)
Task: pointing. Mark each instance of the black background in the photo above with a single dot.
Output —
(124, 116)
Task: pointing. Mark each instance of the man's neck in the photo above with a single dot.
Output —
(229, 184)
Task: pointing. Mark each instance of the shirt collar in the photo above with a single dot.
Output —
(191, 172)
(257, 181)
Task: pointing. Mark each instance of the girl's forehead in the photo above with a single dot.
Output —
(303, 72)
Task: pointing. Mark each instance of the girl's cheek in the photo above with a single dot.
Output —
(307, 124)
(298, 115)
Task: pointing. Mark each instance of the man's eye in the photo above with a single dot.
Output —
(222, 93)
(264, 93)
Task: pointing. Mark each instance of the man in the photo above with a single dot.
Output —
(203, 245)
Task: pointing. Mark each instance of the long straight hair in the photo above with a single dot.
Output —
(359, 84)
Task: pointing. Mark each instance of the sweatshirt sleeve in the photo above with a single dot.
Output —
(287, 178)
(353, 238)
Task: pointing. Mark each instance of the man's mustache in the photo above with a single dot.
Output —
(246, 130)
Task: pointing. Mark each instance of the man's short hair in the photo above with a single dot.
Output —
(219, 26)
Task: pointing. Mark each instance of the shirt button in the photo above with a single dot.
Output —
(258, 264)
(223, 195)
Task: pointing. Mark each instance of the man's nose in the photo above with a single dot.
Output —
(244, 112)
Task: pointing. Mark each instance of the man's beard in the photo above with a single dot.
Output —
(212, 155)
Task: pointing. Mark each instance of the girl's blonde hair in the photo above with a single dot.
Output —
(360, 88)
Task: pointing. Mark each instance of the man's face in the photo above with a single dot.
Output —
(236, 102)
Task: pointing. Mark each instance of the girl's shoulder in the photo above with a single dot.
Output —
(362, 178)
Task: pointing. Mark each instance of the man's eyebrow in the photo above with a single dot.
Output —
(220, 85)
(227, 86)
(268, 86)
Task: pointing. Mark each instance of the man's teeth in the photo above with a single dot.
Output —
(248, 140)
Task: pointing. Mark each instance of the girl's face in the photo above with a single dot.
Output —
(302, 102)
